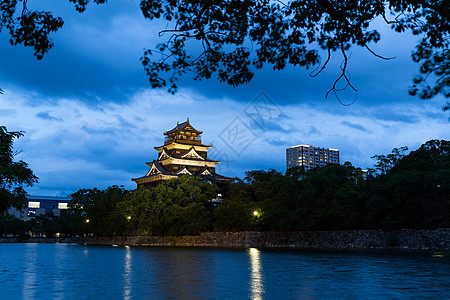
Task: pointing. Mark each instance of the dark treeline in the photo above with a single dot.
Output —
(402, 191)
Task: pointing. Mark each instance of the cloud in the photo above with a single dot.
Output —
(91, 120)
(96, 54)
(46, 116)
(7, 112)
(396, 116)
(96, 60)
(98, 146)
(353, 125)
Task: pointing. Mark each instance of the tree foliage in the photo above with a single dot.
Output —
(386, 162)
(32, 28)
(414, 193)
(13, 174)
(102, 216)
(179, 206)
(407, 191)
(237, 36)
(230, 39)
(323, 198)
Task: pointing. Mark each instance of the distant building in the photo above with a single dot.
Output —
(182, 153)
(310, 156)
(40, 205)
(365, 174)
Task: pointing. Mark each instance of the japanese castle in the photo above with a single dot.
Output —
(182, 153)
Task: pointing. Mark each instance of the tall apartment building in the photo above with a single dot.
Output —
(310, 156)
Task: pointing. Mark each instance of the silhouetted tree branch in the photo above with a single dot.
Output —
(237, 37)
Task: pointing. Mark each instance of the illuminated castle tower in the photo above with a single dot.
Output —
(182, 153)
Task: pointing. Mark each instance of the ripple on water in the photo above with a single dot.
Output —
(68, 271)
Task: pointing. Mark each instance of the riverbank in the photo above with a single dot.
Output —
(349, 239)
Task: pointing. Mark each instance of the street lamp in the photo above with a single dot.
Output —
(255, 213)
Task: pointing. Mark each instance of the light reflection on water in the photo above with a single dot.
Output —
(256, 282)
(127, 274)
(60, 258)
(66, 271)
(29, 274)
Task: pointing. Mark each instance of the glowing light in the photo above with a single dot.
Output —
(87, 220)
(255, 213)
(32, 204)
(63, 205)
(127, 275)
(256, 280)
(129, 218)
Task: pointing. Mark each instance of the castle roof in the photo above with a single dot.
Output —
(182, 153)
(185, 127)
(181, 143)
(158, 170)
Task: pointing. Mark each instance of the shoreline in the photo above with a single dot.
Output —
(421, 240)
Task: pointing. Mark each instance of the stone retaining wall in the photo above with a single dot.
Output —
(350, 239)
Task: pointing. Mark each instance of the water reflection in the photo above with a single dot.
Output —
(127, 276)
(437, 254)
(180, 275)
(256, 284)
(85, 252)
(52, 271)
(29, 275)
(60, 260)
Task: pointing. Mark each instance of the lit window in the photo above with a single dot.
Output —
(62, 205)
(33, 204)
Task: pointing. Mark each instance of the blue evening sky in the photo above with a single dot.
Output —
(91, 119)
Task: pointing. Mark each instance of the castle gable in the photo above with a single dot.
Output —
(182, 153)
(163, 155)
(205, 172)
(183, 171)
(153, 170)
(192, 154)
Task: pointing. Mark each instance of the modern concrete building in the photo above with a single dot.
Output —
(310, 156)
(40, 205)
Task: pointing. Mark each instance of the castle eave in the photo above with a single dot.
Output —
(188, 162)
(182, 153)
(183, 146)
(154, 177)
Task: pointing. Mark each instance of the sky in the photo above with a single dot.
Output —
(91, 119)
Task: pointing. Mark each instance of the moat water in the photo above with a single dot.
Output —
(68, 271)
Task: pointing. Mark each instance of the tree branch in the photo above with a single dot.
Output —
(323, 67)
(379, 56)
(343, 75)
